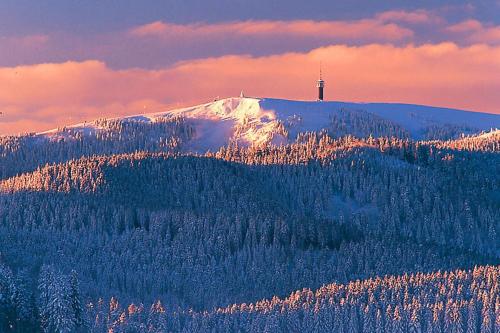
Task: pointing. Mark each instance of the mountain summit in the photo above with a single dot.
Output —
(255, 121)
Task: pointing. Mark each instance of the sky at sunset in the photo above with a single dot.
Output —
(63, 62)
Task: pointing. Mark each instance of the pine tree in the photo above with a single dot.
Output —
(368, 323)
(76, 301)
(487, 320)
(46, 284)
(353, 324)
(156, 322)
(8, 299)
(397, 321)
(472, 325)
(56, 310)
(414, 325)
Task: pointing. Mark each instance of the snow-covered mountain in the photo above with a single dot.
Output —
(117, 223)
(262, 120)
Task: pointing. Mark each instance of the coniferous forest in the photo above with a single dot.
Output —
(358, 228)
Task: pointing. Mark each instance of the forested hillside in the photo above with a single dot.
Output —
(130, 232)
(242, 121)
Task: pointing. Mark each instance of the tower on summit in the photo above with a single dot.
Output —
(320, 84)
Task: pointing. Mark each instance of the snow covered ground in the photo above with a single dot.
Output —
(260, 120)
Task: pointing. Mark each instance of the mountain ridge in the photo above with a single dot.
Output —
(257, 121)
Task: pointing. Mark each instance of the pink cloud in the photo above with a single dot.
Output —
(371, 29)
(25, 42)
(413, 17)
(160, 44)
(28, 40)
(476, 32)
(44, 96)
(466, 26)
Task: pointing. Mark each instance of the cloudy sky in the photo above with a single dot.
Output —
(63, 61)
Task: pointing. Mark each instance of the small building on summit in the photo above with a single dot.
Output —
(321, 85)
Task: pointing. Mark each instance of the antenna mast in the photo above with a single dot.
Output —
(320, 84)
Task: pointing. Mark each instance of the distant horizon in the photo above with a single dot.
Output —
(176, 108)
